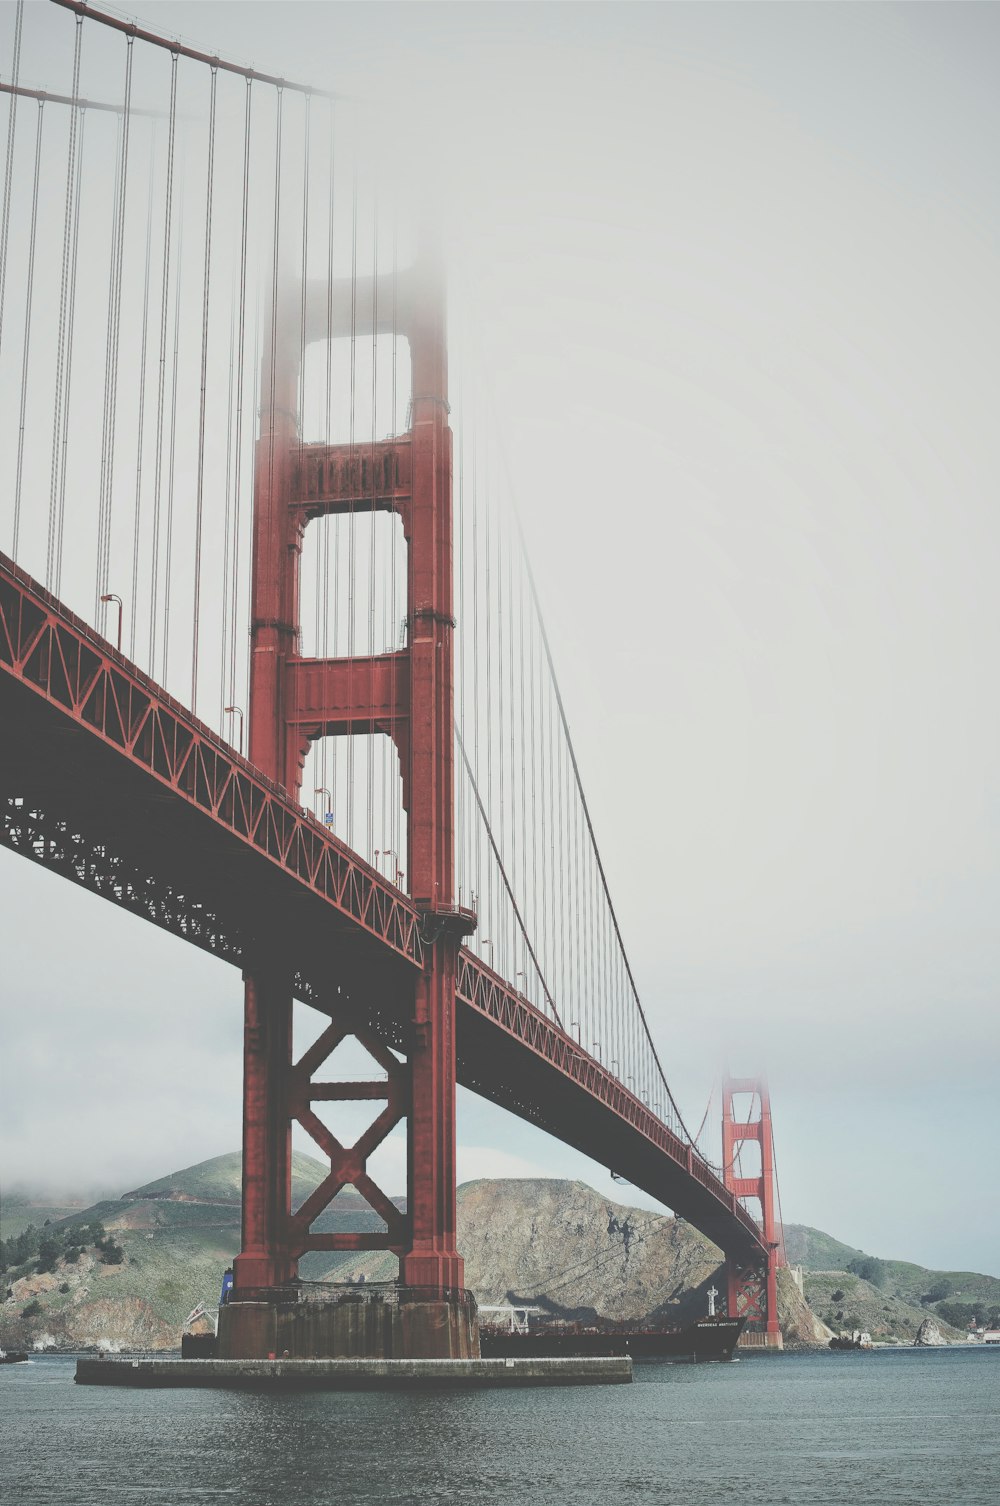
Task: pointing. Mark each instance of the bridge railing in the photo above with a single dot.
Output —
(478, 985)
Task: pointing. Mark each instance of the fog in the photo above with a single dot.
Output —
(729, 274)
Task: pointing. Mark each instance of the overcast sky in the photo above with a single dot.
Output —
(735, 269)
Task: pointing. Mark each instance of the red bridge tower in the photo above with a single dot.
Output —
(753, 1290)
(407, 695)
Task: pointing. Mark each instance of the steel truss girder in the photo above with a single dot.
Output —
(55, 654)
(485, 991)
(60, 659)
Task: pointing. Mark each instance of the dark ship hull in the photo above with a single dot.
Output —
(707, 1339)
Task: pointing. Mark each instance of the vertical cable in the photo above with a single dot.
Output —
(15, 74)
(372, 561)
(168, 550)
(114, 333)
(231, 506)
(301, 382)
(72, 174)
(168, 202)
(28, 300)
(203, 388)
(241, 346)
(140, 434)
(351, 541)
(323, 552)
(56, 584)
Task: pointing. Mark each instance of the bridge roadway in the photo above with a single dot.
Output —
(108, 781)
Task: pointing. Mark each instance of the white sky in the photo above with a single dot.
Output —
(735, 269)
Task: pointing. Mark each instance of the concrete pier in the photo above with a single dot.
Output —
(388, 1321)
(355, 1375)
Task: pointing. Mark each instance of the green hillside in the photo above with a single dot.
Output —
(126, 1271)
(19, 1209)
(218, 1181)
(887, 1297)
(816, 1251)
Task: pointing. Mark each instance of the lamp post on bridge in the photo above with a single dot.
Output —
(389, 852)
(107, 599)
(237, 711)
(327, 816)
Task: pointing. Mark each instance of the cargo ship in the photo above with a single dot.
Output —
(710, 1338)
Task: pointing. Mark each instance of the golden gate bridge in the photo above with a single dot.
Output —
(274, 673)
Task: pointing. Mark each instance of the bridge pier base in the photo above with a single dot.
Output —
(401, 1323)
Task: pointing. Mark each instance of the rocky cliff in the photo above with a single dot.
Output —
(558, 1245)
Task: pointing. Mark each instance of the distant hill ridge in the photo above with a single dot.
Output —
(560, 1245)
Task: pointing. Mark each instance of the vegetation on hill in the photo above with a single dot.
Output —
(126, 1272)
(889, 1298)
(18, 1210)
(42, 1250)
(816, 1251)
(219, 1181)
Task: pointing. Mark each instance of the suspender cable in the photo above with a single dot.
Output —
(373, 537)
(72, 173)
(168, 552)
(28, 299)
(67, 395)
(231, 506)
(241, 337)
(323, 553)
(303, 275)
(168, 202)
(9, 162)
(141, 420)
(351, 541)
(114, 328)
(205, 303)
(506, 881)
(99, 586)
(394, 817)
(590, 826)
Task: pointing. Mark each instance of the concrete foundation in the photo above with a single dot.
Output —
(410, 1326)
(354, 1375)
(752, 1340)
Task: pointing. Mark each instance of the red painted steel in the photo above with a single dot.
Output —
(753, 1289)
(54, 653)
(88, 802)
(408, 696)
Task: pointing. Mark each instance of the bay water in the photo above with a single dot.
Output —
(892, 1428)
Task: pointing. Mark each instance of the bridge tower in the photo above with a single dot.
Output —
(407, 694)
(753, 1289)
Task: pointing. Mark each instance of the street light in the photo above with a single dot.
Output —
(485, 941)
(237, 711)
(388, 852)
(111, 596)
(327, 817)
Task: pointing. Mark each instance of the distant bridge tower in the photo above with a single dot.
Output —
(753, 1289)
(406, 694)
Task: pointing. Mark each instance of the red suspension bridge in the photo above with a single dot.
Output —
(227, 443)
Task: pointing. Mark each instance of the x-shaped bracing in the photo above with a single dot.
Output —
(348, 1164)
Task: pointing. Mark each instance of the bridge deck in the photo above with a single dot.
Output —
(108, 781)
